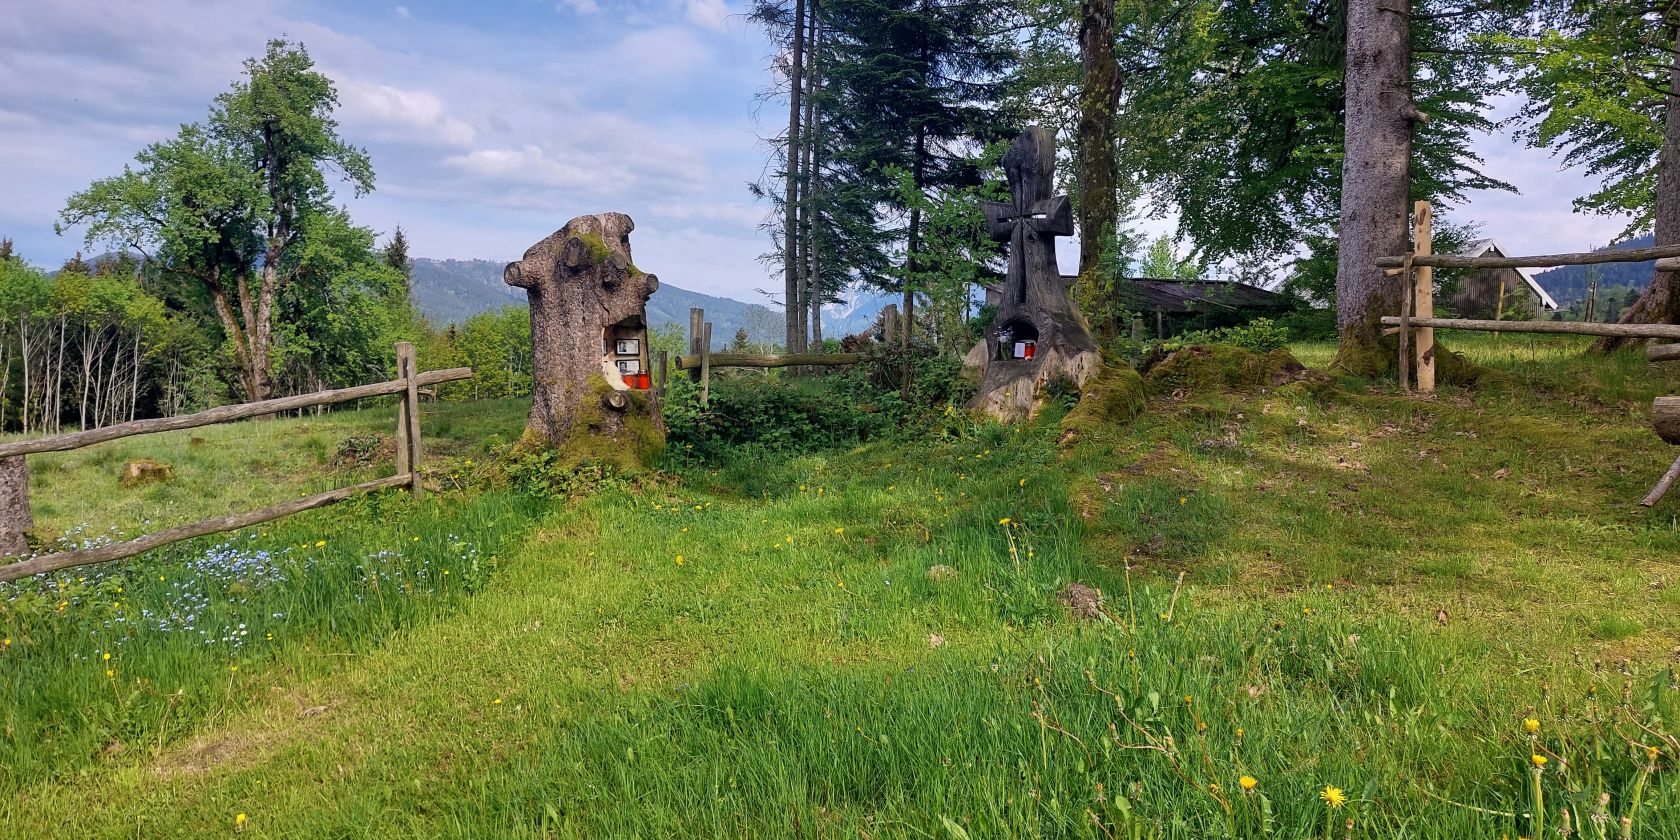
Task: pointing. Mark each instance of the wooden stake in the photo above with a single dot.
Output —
(706, 365)
(1499, 314)
(411, 401)
(696, 323)
(1406, 326)
(1423, 295)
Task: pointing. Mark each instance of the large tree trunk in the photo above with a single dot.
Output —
(1660, 302)
(792, 290)
(585, 297)
(1099, 167)
(913, 247)
(1376, 169)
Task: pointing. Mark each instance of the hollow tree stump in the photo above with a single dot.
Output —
(589, 344)
(1037, 336)
(15, 519)
(1665, 418)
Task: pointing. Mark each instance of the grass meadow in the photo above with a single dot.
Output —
(1347, 614)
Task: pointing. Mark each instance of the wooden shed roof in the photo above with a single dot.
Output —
(1151, 294)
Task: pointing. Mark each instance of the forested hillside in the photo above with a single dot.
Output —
(1568, 284)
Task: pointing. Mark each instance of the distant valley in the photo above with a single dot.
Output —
(451, 291)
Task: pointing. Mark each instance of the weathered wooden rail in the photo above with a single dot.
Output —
(14, 509)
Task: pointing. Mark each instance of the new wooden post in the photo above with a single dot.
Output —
(706, 365)
(410, 414)
(1423, 295)
(405, 454)
(696, 322)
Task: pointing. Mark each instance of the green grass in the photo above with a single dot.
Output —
(799, 673)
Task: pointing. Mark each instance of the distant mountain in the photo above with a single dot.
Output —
(451, 291)
(1568, 284)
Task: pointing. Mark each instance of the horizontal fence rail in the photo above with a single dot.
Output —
(232, 522)
(15, 519)
(1547, 261)
(223, 414)
(759, 360)
(1668, 331)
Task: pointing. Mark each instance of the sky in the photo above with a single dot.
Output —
(491, 123)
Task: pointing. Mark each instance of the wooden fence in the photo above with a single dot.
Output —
(700, 359)
(1417, 310)
(14, 505)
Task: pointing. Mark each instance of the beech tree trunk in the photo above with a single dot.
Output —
(1376, 178)
(1098, 162)
(1660, 302)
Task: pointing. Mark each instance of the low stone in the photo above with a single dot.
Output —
(144, 471)
(1081, 600)
(941, 573)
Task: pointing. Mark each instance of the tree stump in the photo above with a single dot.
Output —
(590, 371)
(1037, 336)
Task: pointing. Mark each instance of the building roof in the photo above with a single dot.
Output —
(1489, 247)
(1168, 295)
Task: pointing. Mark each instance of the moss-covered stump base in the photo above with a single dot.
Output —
(1113, 397)
(609, 427)
(1234, 368)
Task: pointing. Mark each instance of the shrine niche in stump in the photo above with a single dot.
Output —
(1037, 336)
(589, 364)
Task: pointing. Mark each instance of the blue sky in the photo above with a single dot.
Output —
(491, 123)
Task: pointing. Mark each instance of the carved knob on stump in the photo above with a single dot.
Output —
(616, 400)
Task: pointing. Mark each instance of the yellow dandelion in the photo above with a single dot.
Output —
(8, 643)
(1531, 725)
(839, 530)
(496, 702)
(1023, 482)
(1333, 796)
(1248, 782)
(110, 673)
(1004, 521)
(320, 543)
(1183, 499)
(1650, 752)
(416, 539)
(679, 559)
(233, 668)
(1539, 761)
(106, 657)
(239, 822)
(891, 487)
(1188, 699)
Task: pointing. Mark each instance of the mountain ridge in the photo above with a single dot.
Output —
(450, 291)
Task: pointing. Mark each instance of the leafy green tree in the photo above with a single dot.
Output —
(1603, 88)
(227, 202)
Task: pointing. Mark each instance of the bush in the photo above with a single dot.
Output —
(770, 415)
(1261, 334)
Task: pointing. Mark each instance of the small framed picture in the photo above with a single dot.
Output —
(629, 347)
(629, 366)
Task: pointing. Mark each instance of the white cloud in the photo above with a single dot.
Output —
(402, 12)
(417, 115)
(710, 14)
(582, 7)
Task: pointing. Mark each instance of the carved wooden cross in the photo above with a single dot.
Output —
(1033, 217)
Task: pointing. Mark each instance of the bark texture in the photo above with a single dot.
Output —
(1099, 166)
(15, 519)
(1660, 302)
(1376, 177)
(791, 276)
(582, 285)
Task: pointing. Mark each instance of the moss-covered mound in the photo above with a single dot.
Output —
(1112, 397)
(1221, 366)
(630, 440)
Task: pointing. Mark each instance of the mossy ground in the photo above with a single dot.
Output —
(757, 649)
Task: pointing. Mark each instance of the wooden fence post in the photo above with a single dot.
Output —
(15, 518)
(659, 388)
(696, 322)
(405, 453)
(706, 365)
(410, 414)
(1423, 295)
